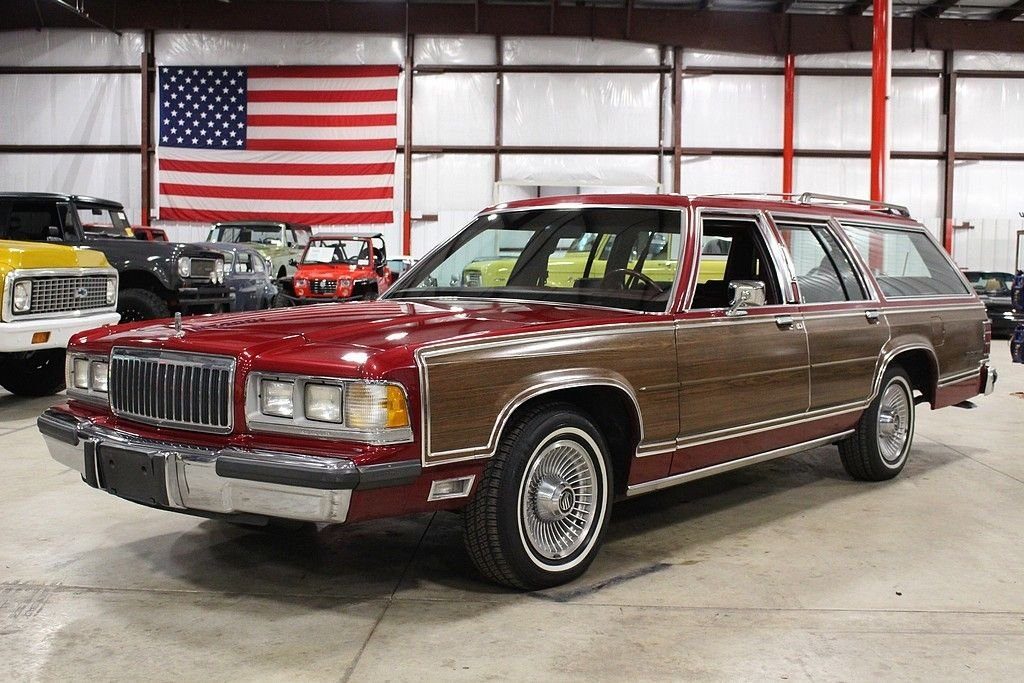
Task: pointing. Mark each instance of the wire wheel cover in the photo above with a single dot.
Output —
(559, 499)
(894, 421)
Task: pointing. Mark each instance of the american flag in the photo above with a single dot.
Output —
(309, 144)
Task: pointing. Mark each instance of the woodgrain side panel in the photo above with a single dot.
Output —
(956, 334)
(471, 388)
(737, 372)
(844, 351)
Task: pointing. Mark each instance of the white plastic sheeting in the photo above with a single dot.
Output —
(111, 176)
(453, 109)
(834, 112)
(727, 174)
(73, 109)
(700, 58)
(581, 109)
(901, 59)
(454, 187)
(989, 115)
(454, 50)
(988, 61)
(732, 111)
(65, 47)
(276, 48)
(577, 51)
(580, 170)
(989, 244)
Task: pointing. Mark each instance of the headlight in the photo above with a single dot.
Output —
(111, 290)
(323, 402)
(81, 374)
(22, 296)
(217, 276)
(98, 376)
(185, 266)
(276, 398)
(375, 406)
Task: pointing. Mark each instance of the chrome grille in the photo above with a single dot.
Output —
(319, 286)
(63, 294)
(171, 389)
(202, 267)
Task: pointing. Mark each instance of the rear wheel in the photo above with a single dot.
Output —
(540, 512)
(37, 373)
(878, 448)
(141, 304)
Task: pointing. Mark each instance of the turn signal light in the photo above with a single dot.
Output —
(40, 337)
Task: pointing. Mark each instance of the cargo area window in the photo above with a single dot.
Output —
(823, 271)
(905, 262)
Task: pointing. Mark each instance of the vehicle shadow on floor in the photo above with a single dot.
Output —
(424, 555)
(17, 410)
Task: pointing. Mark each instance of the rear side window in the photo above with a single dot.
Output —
(823, 270)
(905, 262)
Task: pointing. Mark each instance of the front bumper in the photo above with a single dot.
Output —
(990, 376)
(307, 300)
(16, 335)
(193, 297)
(225, 481)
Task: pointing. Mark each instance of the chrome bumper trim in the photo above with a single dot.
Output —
(991, 376)
(226, 481)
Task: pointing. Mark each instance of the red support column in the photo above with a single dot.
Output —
(881, 80)
(787, 124)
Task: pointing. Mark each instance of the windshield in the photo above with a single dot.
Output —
(244, 234)
(337, 251)
(990, 283)
(619, 258)
(113, 223)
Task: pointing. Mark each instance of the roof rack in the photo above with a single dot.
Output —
(885, 207)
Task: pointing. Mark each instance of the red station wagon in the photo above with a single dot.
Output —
(532, 405)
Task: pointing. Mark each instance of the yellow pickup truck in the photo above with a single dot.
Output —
(48, 293)
(581, 259)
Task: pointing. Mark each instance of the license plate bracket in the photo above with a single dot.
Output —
(135, 475)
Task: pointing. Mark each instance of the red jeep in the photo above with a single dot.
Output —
(340, 268)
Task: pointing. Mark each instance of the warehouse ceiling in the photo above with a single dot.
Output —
(752, 26)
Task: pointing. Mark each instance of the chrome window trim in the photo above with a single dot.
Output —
(8, 315)
(299, 424)
(670, 303)
(920, 229)
(204, 361)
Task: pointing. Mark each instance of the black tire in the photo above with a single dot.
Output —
(500, 521)
(37, 373)
(141, 304)
(865, 455)
(281, 301)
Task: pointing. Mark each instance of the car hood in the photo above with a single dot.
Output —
(343, 338)
(331, 271)
(142, 249)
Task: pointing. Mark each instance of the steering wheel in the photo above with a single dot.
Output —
(640, 276)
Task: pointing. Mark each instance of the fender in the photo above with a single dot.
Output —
(895, 347)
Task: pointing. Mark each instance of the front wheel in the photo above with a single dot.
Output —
(540, 512)
(37, 373)
(878, 448)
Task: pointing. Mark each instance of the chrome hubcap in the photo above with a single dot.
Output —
(559, 499)
(893, 423)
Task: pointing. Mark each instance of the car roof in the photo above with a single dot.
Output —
(811, 204)
(259, 223)
(343, 236)
(55, 196)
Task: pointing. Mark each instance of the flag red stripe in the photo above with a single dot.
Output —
(208, 216)
(240, 168)
(322, 121)
(369, 145)
(369, 71)
(230, 192)
(323, 95)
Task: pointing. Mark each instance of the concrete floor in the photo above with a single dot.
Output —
(787, 570)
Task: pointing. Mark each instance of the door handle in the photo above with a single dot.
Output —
(784, 321)
(871, 315)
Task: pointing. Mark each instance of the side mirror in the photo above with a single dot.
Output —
(292, 262)
(744, 294)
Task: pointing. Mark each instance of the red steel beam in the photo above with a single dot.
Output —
(881, 80)
(788, 100)
(410, 44)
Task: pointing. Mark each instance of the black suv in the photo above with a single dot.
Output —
(157, 278)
